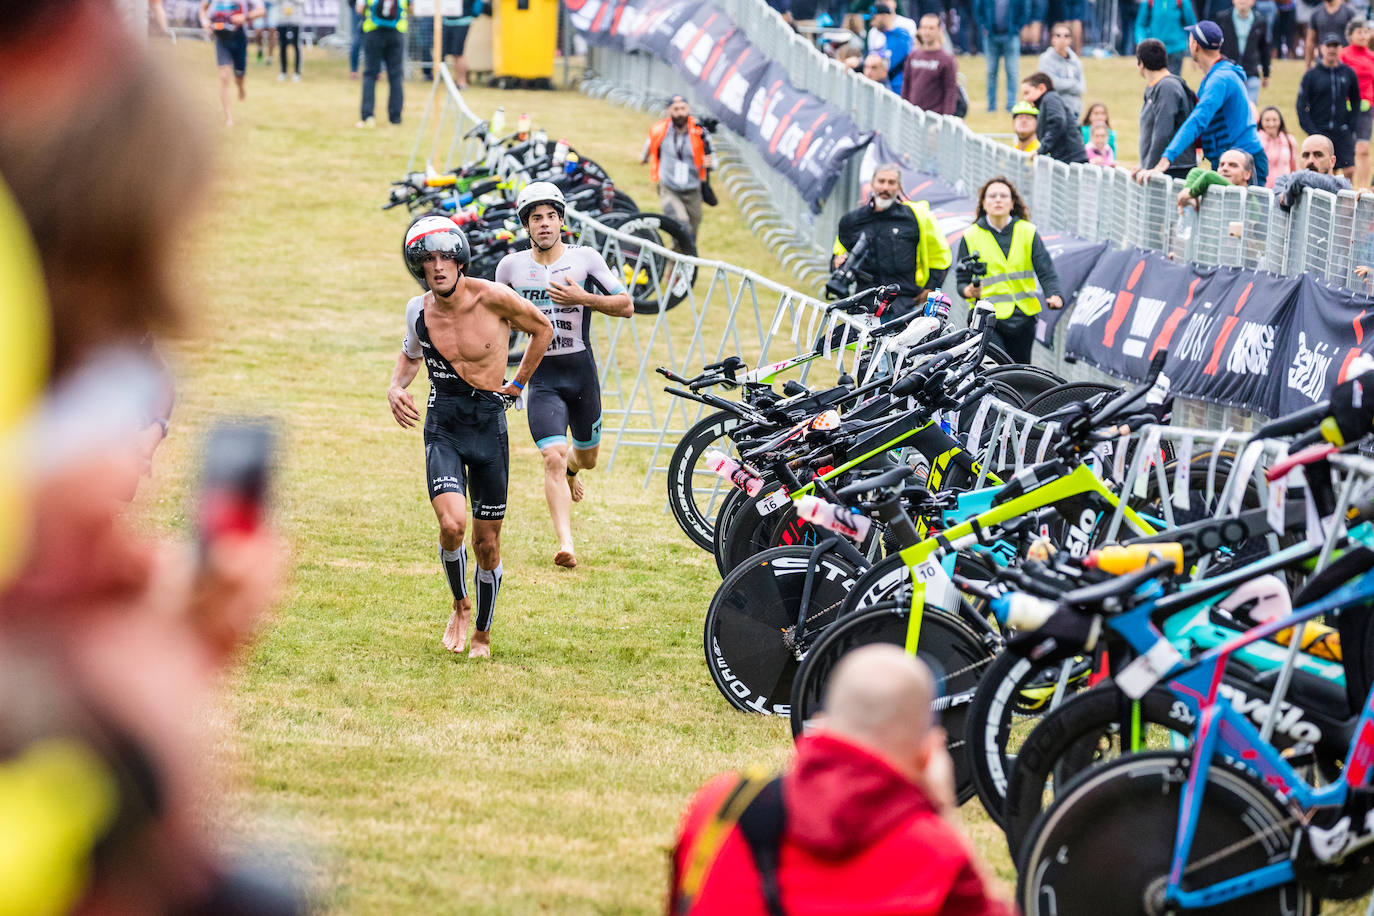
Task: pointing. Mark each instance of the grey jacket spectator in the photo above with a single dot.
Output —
(1167, 105)
(1069, 82)
(1288, 188)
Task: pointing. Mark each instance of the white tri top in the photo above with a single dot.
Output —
(580, 264)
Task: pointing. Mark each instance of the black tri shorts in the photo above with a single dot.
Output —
(564, 396)
(231, 50)
(467, 451)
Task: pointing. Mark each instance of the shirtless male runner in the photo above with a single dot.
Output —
(461, 329)
(567, 283)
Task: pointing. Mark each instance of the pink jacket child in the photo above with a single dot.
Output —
(1099, 146)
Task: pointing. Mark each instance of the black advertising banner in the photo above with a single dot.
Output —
(1330, 328)
(1074, 259)
(801, 135)
(730, 82)
(1221, 327)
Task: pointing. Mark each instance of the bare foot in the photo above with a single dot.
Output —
(565, 558)
(575, 487)
(481, 644)
(456, 633)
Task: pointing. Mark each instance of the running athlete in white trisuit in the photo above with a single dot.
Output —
(567, 283)
(460, 330)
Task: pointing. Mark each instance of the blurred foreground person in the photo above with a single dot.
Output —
(860, 823)
(110, 644)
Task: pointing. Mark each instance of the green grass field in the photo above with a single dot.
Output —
(551, 778)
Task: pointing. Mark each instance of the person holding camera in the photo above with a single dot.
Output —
(899, 240)
(679, 155)
(1001, 256)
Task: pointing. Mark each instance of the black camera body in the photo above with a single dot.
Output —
(710, 125)
(844, 278)
(976, 266)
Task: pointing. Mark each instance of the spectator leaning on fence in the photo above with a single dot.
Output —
(906, 246)
(931, 78)
(1168, 102)
(1359, 58)
(1166, 20)
(1058, 134)
(1061, 64)
(1023, 122)
(1009, 246)
(1245, 40)
(1223, 118)
(1329, 102)
(679, 153)
(1318, 160)
(1001, 22)
(1235, 169)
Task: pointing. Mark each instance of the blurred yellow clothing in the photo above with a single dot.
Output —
(1029, 145)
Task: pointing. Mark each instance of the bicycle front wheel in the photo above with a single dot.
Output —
(694, 492)
(752, 637)
(1092, 728)
(1105, 845)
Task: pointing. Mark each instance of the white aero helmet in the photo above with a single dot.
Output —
(536, 193)
(434, 235)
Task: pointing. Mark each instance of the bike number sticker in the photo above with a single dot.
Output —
(939, 589)
(773, 501)
(1136, 679)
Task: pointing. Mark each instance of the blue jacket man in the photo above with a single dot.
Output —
(1222, 119)
(896, 42)
(1001, 22)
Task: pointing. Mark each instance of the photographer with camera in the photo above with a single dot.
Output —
(679, 155)
(1001, 256)
(890, 240)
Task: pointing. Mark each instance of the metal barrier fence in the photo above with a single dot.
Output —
(1237, 226)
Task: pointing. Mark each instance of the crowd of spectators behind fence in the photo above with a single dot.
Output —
(909, 46)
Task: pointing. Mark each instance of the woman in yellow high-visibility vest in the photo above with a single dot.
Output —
(1007, 242)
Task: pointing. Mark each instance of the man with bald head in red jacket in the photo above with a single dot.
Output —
(860, 823)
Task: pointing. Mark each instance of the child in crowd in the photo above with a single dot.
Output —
(1099, 146)
(1097, 114)
(1279, 146)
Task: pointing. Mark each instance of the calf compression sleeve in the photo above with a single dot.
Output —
(455, 563)
(488, 584)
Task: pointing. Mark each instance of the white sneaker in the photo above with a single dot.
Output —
(368, 122)
(281, 77)
(295, 77)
